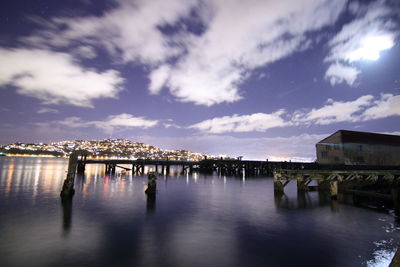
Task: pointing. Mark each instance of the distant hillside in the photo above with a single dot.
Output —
(102, 148)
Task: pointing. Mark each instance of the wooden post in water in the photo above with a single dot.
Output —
(334, 189)
(152, 184)
(68, 186)
(395, 192)
(278, 186)
(396, 259)
(81, 164)
(302, 185)
(112, 169)
(323, 185)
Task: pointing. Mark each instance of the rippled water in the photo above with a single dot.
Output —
(195, 220)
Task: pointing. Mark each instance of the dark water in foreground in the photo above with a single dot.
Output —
(195, 220)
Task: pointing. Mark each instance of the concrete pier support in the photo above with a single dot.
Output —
(334, 189)
(68, 186)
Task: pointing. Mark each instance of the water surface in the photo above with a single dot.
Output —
(195, 220)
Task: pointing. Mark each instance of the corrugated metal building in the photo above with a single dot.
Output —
(359, 148)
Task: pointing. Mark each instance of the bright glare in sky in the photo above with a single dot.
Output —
(371, 46)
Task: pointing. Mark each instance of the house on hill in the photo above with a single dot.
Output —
(359, 148)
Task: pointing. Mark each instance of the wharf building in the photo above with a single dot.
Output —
(359, 148)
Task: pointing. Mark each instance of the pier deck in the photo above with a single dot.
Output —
(222, 166)
(376, 184)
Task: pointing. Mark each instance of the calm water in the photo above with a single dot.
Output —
(195, 220)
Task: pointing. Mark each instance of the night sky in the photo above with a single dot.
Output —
(259, 79)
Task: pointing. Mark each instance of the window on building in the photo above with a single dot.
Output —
(327, 147)
(324, 154)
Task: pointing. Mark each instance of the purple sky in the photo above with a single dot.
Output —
(259, 79)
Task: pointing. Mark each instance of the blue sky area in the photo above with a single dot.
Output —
(259, 79)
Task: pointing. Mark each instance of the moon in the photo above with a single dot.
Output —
(371, 47)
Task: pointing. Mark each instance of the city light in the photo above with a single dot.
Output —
(102, 149)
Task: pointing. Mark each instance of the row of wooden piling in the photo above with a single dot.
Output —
(374, 184)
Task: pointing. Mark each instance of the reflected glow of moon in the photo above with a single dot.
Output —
(371, 46)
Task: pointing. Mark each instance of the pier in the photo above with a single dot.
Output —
(371, 184)
(363, 182)
(221, 166)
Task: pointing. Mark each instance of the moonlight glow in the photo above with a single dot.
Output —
(370, 48)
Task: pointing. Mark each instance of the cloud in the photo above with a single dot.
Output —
(47, 110)
(85, 51)
(334, 112)
(203, 64)
(55, 78)
(338, 73)
(259, 122)
(110, 124)
(371, 32)
(364, 108)
(158, 79)
(130, 32)
(388, 105)
(234, 43)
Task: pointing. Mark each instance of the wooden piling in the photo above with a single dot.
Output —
(278, 186)
(68, 186)
(334, 189)
(396, 259)
(395, 193)
(152, 184)
(302, 186)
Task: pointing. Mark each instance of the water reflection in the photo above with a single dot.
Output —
(66, 203)
(303, 200)
(151, 203)
(196, 220)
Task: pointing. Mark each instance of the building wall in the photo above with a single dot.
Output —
(358, 154)
(330, 153)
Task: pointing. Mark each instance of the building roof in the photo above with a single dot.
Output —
(364, 138)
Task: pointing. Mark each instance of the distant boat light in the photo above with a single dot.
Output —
(371, 46)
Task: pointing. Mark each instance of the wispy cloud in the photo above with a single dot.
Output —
(109, 125)
(259, 122)
(364, 108)
(234, 43)
(47, 110)
(371, 32)
(55, 78)
(206, 66)
(334, 112)
(129, 32)
(388, 105)
(339, 73)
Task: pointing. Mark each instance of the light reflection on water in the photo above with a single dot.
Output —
(194, 220)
